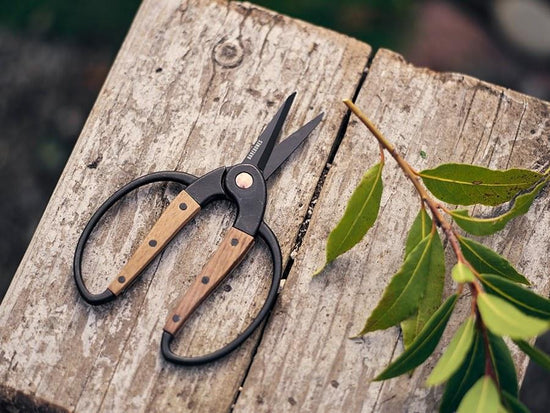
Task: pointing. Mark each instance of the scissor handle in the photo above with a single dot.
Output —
(139, 261)
(174, 217)
(228, 255)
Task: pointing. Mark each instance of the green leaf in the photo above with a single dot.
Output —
(402, 295)
(421, 227)
(526, 300)
(462, 274)
(503, 319)
(481, 398)
(542, 359)
(359, 216)
(462, 184)
(431, 300)
(503, 364)
(455, 353)
(485, 260)
(425, 343)
(472, 369)
(488, 226)
(513, 404)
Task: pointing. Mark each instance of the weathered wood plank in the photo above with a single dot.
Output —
(191, 88)
(305, 361)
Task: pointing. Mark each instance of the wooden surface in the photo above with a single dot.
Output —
(191, 89)
(305, 361)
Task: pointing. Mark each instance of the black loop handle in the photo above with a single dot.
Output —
(107, 295)
(267, 235)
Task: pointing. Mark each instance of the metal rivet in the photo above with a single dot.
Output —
(244, 180)
(121, 279)
(205, 280)
(183, 206)
(153, 243)
(175, 318)
(234, 241)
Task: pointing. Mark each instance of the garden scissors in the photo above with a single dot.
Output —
(242, 184)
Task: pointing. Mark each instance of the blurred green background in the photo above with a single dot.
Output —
(55, 54)
(97, 22)
(104, 22)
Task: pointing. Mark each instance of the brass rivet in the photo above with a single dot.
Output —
(244, 180)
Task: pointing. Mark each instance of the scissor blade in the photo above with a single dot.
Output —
(261, 150)
(284, 149)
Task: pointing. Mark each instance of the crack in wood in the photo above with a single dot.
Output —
(213, 109)
(321, 181)
(305, 223)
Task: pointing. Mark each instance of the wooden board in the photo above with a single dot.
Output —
(192, 87)
(305, 361)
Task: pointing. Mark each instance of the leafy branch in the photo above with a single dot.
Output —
(476, 365)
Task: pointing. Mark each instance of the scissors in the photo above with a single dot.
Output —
(244, 184)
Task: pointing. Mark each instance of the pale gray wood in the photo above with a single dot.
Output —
(192, 87)
(305, 361)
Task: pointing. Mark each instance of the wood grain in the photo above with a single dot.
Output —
(305, 361)
(229, 254)
(192, 87)
(175, 216)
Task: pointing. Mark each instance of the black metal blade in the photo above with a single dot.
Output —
(261, 150)
(284, 149)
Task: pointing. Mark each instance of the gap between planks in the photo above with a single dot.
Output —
(304, 226)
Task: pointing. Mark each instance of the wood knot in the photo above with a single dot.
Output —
(228, 53)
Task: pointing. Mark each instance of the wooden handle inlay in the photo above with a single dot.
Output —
(228, 255)
(178, 213)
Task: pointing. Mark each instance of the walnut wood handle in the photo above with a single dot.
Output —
(178, 213)
(229, 254)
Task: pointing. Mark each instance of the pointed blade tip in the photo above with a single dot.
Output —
(290, 99)
(261, 151)
(316, 120)
(284, 149)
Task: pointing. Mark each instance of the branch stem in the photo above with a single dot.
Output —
(414, 177)
(439, 219)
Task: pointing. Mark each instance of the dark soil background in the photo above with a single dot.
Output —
(55, 54)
